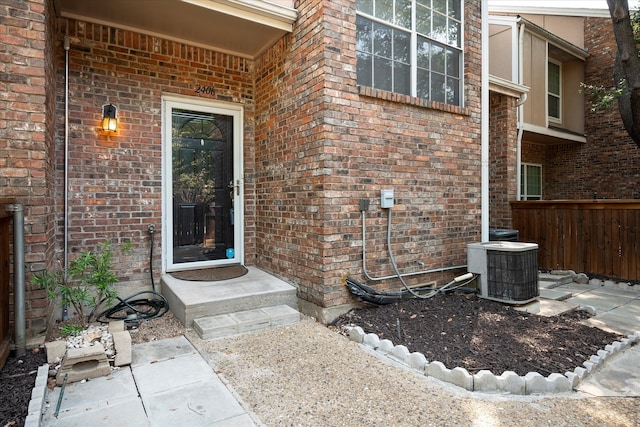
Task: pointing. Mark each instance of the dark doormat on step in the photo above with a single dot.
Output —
(211, 274)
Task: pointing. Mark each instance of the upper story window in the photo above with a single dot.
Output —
(554, 81)
(412, 47)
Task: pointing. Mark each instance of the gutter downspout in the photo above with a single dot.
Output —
(484, 136)
(520, 108)
(65, 310)
(19, 277)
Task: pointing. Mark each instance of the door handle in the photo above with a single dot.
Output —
(236, 186)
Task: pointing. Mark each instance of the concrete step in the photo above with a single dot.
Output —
(224, 325)
(555, 294)
(189, 300)
(550, 281)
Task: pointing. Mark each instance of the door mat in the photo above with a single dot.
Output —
(211, 274)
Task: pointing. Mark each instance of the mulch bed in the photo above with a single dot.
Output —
(17, 379)
(476, 334)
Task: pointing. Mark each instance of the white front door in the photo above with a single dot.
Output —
(202, 183)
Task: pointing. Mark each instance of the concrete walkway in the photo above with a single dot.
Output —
(618, 310)
(170, 384)
(167, 384)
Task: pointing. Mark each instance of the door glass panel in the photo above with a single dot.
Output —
(202, 186)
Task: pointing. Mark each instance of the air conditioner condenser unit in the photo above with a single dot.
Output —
(508, 270)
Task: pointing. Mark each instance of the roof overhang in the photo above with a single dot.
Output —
(245, 28)
(550, 135)
(506, 87)
(556, 41)
(597, 10)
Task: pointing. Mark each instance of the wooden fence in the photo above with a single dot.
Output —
(591, 236)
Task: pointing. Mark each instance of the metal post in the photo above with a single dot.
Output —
(19, 277)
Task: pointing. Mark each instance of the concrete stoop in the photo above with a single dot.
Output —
(255, 301)
(224, 325)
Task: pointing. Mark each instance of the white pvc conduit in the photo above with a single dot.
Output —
(65, 314)
(401, 275)
(484, 138)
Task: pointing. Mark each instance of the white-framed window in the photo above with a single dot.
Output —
(412, 47)
(530, 182)
(554, 91)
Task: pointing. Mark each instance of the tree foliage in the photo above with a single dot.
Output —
(627, 66)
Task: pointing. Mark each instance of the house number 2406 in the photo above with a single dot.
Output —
(209, 90)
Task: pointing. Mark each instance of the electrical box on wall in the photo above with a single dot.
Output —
(386, 199)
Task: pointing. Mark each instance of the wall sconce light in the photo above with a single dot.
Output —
(109, 120)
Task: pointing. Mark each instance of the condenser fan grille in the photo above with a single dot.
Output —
(512, 276)
(508, 271)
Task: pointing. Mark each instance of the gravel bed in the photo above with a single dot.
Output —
(309, 375)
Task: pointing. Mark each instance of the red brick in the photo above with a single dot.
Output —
(315, 144)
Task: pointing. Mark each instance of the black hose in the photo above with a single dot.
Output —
(152, 232)
(133, 310)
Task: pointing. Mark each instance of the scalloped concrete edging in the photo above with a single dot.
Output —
(486, 381)
(38, 394)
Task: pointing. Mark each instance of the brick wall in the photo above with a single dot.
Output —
(115, 180)
(323, 144)
(315, 144)
(27, 96)
(608, 165)
(503, 134)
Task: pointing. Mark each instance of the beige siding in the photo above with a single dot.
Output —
(500, 53)
(572, 100)
(535, 77)
(569, 28)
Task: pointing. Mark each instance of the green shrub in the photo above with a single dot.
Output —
(88, 283)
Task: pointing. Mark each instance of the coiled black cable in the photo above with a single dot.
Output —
(369, 294)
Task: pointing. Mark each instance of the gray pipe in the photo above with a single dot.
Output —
(67, 44)
(19, 277)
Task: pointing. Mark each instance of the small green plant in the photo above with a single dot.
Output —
(71, 330)
(88, 283)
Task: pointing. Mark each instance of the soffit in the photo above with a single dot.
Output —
(551, 136)
(244, 28)
(575, 8)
